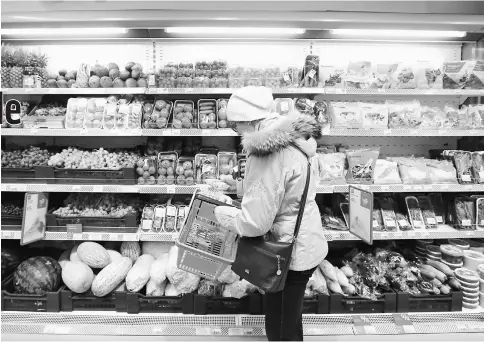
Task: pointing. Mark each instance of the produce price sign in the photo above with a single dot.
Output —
(404, 324)
(361, 214)
(33, 223)
(362, 325)
(74, 231)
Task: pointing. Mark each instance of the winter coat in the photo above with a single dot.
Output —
(274, 182)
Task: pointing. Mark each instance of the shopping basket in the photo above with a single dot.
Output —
(204, 247)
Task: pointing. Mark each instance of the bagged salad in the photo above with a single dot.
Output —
(478, 167)
(331, 168)
(402, 114)
(361, 165)
(404, 77)
(332, 76)
(432, 117)
(476, 78)
(386, 172)
(463, 164)
(441, 171)
(413, 170)
(373, 115)
(429, 75)
(382, 78)
(346, 115)
(476, 115)
(358, 75)
(456, 74)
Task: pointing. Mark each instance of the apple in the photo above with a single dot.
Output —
(139, 171)
(162, 171)
(187, 165)
(180, 170)
(141, 180)
(169, 171)
(165, 164)
(180, 180)
(170, 180)
(161, 180)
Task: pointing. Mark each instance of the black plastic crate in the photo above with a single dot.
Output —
(339, 304)
(71, 301)
(316, 305)
(139, 303)
(49, 302)
(127, 221)
(18, 175)
(9, 220)
(52, 175)
(407, 302)
(251, 304)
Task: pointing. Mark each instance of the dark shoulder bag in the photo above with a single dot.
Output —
(265, 263)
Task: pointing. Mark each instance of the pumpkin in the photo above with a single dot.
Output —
(131, 249)
(77, 276)
(37, 275)
(93, 254)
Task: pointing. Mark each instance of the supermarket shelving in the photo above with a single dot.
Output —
(112, 323)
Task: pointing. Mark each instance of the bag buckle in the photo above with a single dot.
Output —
(278, 265)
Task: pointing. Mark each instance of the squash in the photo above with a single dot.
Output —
(131, 249)
(334, 287)
(342, 280)
(328, 270)
(65, 257)
(93, 254)
(155, 248)
(110, 277)
(349, 290)
(139, 275)
(153, 289)
(114, 255)
(348, 272)
(74, 256)
(77, 276)
(441, 267)
(158, 269)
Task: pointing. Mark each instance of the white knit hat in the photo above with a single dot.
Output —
(249, 104)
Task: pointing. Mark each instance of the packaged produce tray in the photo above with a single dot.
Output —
(70, 301)
(251, 304)
(17, 175)
(57, 221)
(139, 303)
(52, 175)
(339, 304)
(429, 303)
(9, 220)
(49, 302)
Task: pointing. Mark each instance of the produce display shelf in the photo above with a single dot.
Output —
(64, 236)
(181, 91)
(227, 132)
(159, 324)
(409, 188)
(17, 187)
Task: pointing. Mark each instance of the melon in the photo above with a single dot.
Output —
(135, 74)
(142, 83)
(10, 260)
(65, 257)
(114, 255)
(77, 276)
(131, 249)
(74, 256)
(155, 248)
(37, 275)
(139, 274)
(111, 277)
(93, 254)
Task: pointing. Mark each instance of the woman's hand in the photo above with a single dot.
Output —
(227, 217)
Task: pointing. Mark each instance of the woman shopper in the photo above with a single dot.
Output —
(275, 178)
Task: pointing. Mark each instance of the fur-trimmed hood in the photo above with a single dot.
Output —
(280, 134)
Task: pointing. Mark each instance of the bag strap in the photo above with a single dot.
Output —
(305, 194)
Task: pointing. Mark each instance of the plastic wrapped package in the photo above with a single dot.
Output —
(185, 282)
(284, 106)
(218, 82)
(465, 213)
(135, 116)
(387, 207)
(414, 212)
(332, 76)
(94, 113)
(228, 276)
(126, 99)
(319, 109)
(76, 111)
(227, 161)
(171, 290)
(209, 288)
(361, 165)
(480, 212)
(378, 224)
(290, 77)
(463, 164)
(476, 78)
(330, 221)
(456, 74)
(331, 168)
(439, 208)
(200, 82)
(159, 219)
(478, 167)
(181, 215)
(171, 215)
(238, 289)
(382, 78)
(386, 172)
(205, 167)
(428, 212)
(403, 223)
(404, 77)
(109, 116)
(161, 114)
(358, 75)
(373, 115)
(147, 218)
(185, 171)
(413, 171)
(146, 170)
(121, 116)
(166, 167)
(441, 171)
(310, 74)
(183, 114)
(254, 73)
(255, 81)
(236, 82)
(403, 114)
(319, 285)
(222, 114)
(207, 114)
(184, 82)
(167, 82)
(432, 118)
(273, 82)
(237, 72)
(429, 75)
(476, 115)
(148, 107)
(345, 115)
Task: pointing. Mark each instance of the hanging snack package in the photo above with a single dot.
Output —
(403, 223)
(146, 170)
(414, 212)
(331, 168)
(465, 214)
(147, 218)
(373, 115)
(476, 78)
(159, 219)
(332, 76)
(378, 224)
(456, 74)
(463, 164)
(358, 75)
(413, 171)
(439, 207)
(205, 167)
(478, 167)
(361, 165)
(386, 172)
(310, 74)
(283, 106)
(480, 213)
(207, 114)
(429, 75)
(402, 114)
(170, 219)
(404, 77)
(166, 167)
(387, 207)
(432, 118)
(185, 173)
(383, 76)
(441, 171)
(430, 219)
(476, 115)
(345, 115)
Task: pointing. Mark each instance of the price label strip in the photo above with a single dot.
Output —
(404, 324)
(363, 326)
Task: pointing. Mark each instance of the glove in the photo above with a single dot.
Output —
(227, 217)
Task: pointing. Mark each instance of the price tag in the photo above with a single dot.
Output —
(470, 233)
(468, 187)
(135, 131)
(157, 331)
(362, 325)
(34, 130)
(383, 236)
(466, 222)
(83, 131)
(411, 234)
(236, 331)
(316, 332)
(16, 187)
(203, 331)
(312, 73)
(428, 187)
(167, 132)
(365, 187)
(175, 132)
(146, 225)
(466, 178)
(444, 187)
(8, 235)
(385, 188)
(404, 324)
(170, 189)
(439, 219)
(217, 331)
(375, 224)
(473, 132)
(431, 220)
(442, 132)
(414, 132)
(74, 228)
(425, 234)
(390, 223)
(482, 223)
(326, 131)
(418, 187)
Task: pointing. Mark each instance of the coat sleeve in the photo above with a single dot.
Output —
(264, 186)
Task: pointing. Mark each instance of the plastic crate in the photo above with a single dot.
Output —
(339, 304)
(407, 302)
(50, 175)
(205, 249)
(318, 305)
(9, 220)
(251, 304)
(139, 303)
(70, 301)
(49, 302)
(127, 221)
(17, 175)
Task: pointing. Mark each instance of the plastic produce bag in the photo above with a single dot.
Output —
(386, 172)
(332, 76)
(403, 114)
(456, 74)
(171, 290)
(331, 168)
(413, 171)
(185, 282)
(383, 76)
(465, 213)
(441, 171)
(361, 165)
(432, 117)
(373, 115)
(346, 115)
(318, 109)
(358, 75)
(429, 75)
(228, 276)
(476, 78)
(478, 167)
(319, 282)
(209, 288)
(404, 77)
(476, 115)
(238, 290)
